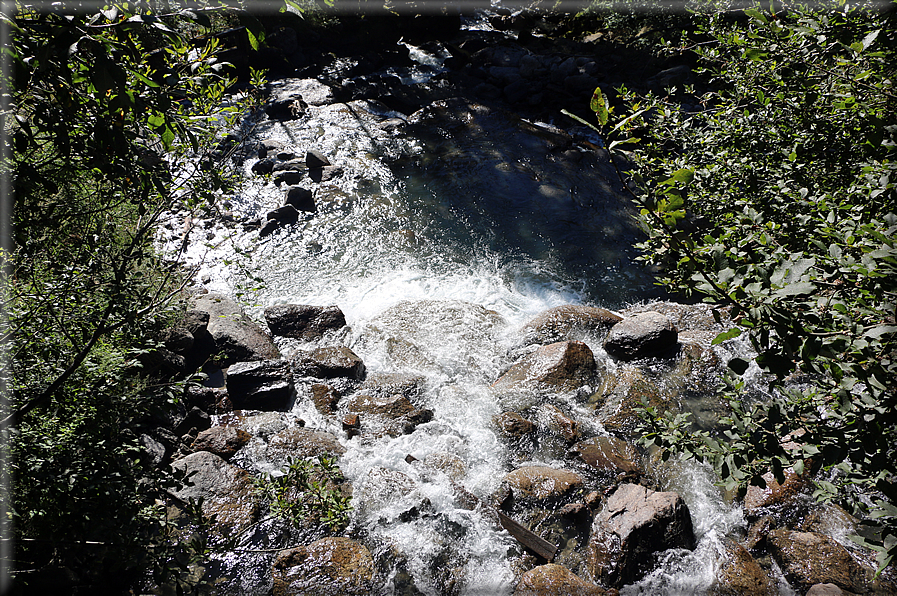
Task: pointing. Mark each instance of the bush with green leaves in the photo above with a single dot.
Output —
(109, 111)
(772, 195)
(307, 491)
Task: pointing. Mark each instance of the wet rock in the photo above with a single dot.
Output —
(387, 399)
(327, 566)
(329, 363)
(670, 77)
(619, 398)
(513, 425)
(312, 91)
(260, 385)
(809, 558)
(300, 198)
(302, 321)
(263, 166)
(383, 489)
(555, 580)
(774, 494)
(551, 419)
(568, 322)
(301, 442)
(226, 491)
(740, 574)
(288, 165)
(288, 177)
(236, 336)
(223, 441)
(645, 334)
(325, 398)
(561, 366)
(634, 524)
(286, 214)
(446, 463)
(325, 174)
(827, 590)
(285, 104)
(269, 228)
(316, 159)
(542, 483)
(609, 455)
(267, 146)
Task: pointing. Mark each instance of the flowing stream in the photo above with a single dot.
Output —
(447, 231)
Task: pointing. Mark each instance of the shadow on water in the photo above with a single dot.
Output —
(526, 191)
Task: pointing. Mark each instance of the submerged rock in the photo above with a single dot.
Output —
(740, 574)
(568, 322)
(542, 483)
(555, 580)
(561, 366)
(609, 455)
(634, 524)
(328, 566)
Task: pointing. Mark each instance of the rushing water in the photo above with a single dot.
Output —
(461, 206)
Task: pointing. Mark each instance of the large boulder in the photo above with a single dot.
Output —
(303, 321)
(226, 491)
(328, 566)
(568, 322)
(775, 495)
(644, 334)
(542, 483)
(561, 366)
(329, 363)
(513, 426)
(634, 524)
(620, 396)
(809, 558)
(260, 385)
(236, 337)
(555, 580)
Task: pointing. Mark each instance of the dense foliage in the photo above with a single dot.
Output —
(772, 194)
(107, 111)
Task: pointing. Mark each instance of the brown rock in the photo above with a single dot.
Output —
(741, 575)
(827, 590)
(551, 418)
(542, 483)
(634, 524)
(562, 366)
(513, 425)
(223, 441)
(329, 363)
(609, 455)
(325, 398)
(567, 322)
(644, 334)
(808, 558)
(326, 567)
(555, 580)
(619, 398)
(301, 442)
(775, 494)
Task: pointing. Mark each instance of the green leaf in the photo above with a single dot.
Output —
(727, 335)
(599, 106)
(683, 175)
(800, 288)
(756, 15)
(870, 38)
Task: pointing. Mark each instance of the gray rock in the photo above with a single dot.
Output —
(269, 228)
(329, 363)
(288, 165)
(284, 215)
(177, 339)
(316, 159)
(542, 483)
(301, 442)
(740, 575)
(268, 146)
(608, 455)
(645, 334)
(260, 385)
(301, 198)
(302, 321)
(226, 491)
(237, 338)
(325, 174)
(555, 580)
(263, 166)
(288, 177)
(634, 524)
